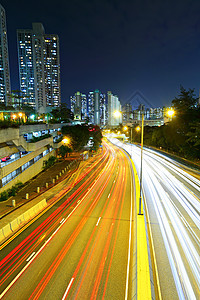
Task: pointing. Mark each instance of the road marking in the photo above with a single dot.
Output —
(30, 256)
(129, 247)
(98, 221)
(69, 285)
(62, 220)
(109, 196)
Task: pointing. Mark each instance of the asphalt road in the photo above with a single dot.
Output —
(172, 195)
(81, 247)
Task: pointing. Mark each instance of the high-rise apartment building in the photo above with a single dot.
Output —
(76, 105)
(39, 68)
(97, 108)
(103, 110)
(113, 106)
(91, 107)
(127, 114)
(5, 88)
(84, 107)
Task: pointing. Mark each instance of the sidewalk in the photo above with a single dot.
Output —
(45, 180)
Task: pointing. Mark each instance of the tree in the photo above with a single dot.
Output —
(64, 150)
(79, 135)
(62, 113)
(185, 102)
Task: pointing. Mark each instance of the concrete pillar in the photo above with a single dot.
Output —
(47, 184)
(13, 203)
(56, 177)
(27, 196)
(38, 189)
(53, 180)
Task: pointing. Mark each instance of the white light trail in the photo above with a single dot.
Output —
(172, 194)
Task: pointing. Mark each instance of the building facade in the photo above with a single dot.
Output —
(114, 106)
(76, 105)
(39, 68)
(5, 89)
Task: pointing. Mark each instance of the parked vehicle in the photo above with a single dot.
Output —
(5, 158)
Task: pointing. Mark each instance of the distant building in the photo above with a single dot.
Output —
(96, 107)
(83, 107)
(5, 88)
(114, 106)
(152, 116)
(91, 107)
(39, 68)
(103, 110)
(76, 105)
(97, 111)
(127, 113)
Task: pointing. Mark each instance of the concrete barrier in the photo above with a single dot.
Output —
(2, 237)
(141, 281)
(43, 203)
(26, 215)
(23, 218)
(20, 220)
(14, 225)
(6, 230)
(31, 212)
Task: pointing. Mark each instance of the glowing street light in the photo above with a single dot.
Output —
(138, 128)
(66, 141)
(170, 112)
(117, 114)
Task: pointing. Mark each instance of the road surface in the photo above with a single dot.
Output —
(172, 195)
(81, 248)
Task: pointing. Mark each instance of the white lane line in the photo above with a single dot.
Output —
(98, 221)
(69, 285)
(30, 256)
(130, 235)
(62, 220)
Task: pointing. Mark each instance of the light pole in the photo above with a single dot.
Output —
(142, 135)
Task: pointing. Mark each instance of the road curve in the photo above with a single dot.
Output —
(172, 195)
(84, 244)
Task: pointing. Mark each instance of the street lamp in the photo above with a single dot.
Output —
(66, 141)
(14, 117)
(142, 134)
(170, 113)
(117, 116)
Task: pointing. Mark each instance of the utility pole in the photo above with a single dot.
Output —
(142, 134)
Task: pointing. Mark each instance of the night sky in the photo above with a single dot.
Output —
(150, 46)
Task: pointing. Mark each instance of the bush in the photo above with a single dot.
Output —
(11, 192)
(3, 196)
(49, 163)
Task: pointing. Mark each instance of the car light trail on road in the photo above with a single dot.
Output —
(172, 196)
(87, 252)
